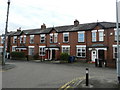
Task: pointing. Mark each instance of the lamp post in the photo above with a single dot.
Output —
(4, 49)
(118, 49)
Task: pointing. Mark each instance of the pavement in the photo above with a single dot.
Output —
(8, 66)
(94, 82)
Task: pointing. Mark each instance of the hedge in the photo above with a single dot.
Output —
(17, 55)
(64, 56)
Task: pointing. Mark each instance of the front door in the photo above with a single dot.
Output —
(53, 54)
(101, 54)
(93, 55)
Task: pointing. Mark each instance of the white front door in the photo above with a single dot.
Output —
(93, 55)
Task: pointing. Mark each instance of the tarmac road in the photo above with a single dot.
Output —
(48, 75)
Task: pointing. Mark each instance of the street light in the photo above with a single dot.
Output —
(4, 49)
(118, 49)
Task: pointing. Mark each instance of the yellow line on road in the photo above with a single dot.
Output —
(66, 86)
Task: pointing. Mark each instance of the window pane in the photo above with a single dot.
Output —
(93, 36)
(81, 52)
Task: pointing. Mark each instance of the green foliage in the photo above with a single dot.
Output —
(36, 56)
(17, 55)
(64, 56)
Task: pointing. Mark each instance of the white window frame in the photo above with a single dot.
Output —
(14, 39)
(21, 39)
(81, 47)
(115, 34)
(115, 46)
(55, 37)
(42, 37)
(64, 37)
(79, 38)
(66, 47)
(43, 50)
(51, 38)
(24, 39)
(94, 39)
(31, 47)
(31, 38)
(101, 36)
(13, 48)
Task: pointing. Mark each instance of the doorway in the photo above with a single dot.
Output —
(53, 54)
(101, 54)
(94, 55)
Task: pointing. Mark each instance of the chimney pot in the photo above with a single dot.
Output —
(76, 22)
(43, 26)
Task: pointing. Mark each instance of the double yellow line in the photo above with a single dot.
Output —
(67, 85)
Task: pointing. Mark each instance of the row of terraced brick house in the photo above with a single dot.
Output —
(87, 41)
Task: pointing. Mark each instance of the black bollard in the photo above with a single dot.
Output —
(87, 76)
(119, 80)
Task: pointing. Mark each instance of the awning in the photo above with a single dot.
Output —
(97, 46)
(21, 48)
(52, 47)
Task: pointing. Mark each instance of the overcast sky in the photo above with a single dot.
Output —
(30, 14)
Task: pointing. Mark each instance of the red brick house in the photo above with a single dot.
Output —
(85, 41)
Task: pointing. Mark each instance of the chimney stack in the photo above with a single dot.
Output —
(43, 26)
(76, 23)
(19, 29)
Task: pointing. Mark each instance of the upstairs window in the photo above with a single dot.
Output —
(55, 37)
(51, 38)
(81, 37)
(14, 39)
(65, 37)
(94, 35)
(42, 38)
(31, 39)
(101, 35)
(115, 31)
(23, 39)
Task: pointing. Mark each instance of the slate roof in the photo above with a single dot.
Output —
(68, 28)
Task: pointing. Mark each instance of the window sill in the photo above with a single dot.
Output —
(65, 42)
(81, 57)
(81, 42)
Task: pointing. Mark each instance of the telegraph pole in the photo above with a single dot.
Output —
(118, 49)
(5, 43)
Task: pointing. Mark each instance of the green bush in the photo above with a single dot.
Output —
(17, 55)
(64, 56)
(36, 56)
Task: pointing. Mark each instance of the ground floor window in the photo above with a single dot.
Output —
(66, 49)
(42, 51)
(115, 52)
(31, 51)
(14, 48)
(81, 51)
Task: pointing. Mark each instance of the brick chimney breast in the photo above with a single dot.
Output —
(76, 23)
(43, 26)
